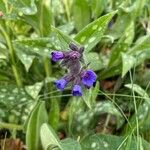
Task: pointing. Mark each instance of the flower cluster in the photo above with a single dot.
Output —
(76, 75)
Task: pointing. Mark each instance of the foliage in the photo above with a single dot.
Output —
(116, 38)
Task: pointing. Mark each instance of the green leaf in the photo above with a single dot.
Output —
(143, 43)
(41, 21)
(15, 104)
(44, 17)
(93, 32)
(143, 109)
(37, 118)
(110, 142)
(61, 40)
(111, 72)
(33, 90)
(49, 138)
(54, 113)
(122, 45)
(110, 108)
(97, 7)
(136, 88)
(27, 60)
(94, 60)
(66, 28)
(90, 95)
(118, 27)
(33, 46)
(74, 106)
(81, 13)
(85, 120)
(70, 144)
(127, 63)
(51, 141)
(27, 7)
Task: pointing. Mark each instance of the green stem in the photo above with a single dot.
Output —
(10, 126)
(11, 51)
(67, 10)
(47, 66)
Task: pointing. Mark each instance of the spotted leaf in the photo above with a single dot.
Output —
(92, 33)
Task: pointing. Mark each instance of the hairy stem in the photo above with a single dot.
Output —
(12, 56)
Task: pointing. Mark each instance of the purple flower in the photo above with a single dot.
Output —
(56, 55)
(88, 78)
(77, 91)
(60, 84)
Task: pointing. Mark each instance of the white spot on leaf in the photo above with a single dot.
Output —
(11, 98)
(92, 39)
(105, 144)
(95, 27)
(3, 90)
(83, 38)
(100, 28)
(93, 145)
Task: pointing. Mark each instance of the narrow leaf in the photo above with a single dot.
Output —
(92, 33)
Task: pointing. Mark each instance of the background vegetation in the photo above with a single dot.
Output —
(114, 114)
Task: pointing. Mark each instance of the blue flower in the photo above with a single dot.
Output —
(77, 91)
(88, 78)
(60, 84)
(56, 55)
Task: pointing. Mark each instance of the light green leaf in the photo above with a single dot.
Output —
(37, 118)
(34, 46)
(81, 13)
(143, 43)
(66, 28)
(127, 63)
(94, 60)
(49, 138)
(93, 32)
(61, 40)
(70, 144)
(136, 88)
(34, 90)
(27, 60)
(90, 95)
(51, 141)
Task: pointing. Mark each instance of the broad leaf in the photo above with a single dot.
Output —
(110, 142)
(33, 90)
(15, 104)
